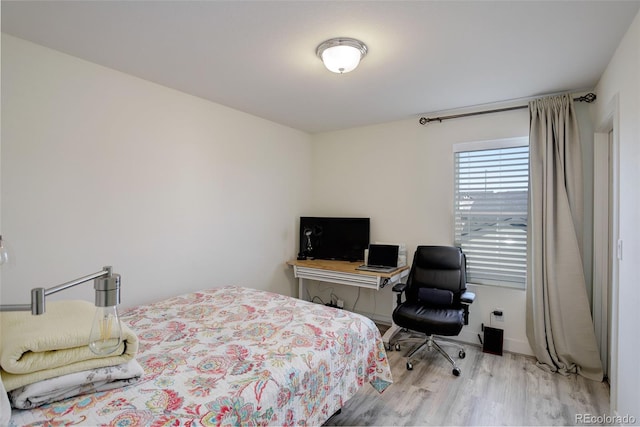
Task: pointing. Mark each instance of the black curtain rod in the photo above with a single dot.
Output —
(590, 97)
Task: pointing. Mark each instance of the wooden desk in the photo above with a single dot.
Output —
(345, 273)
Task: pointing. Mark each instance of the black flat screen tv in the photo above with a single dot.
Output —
(333, 238)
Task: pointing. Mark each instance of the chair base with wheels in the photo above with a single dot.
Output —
(430, 343)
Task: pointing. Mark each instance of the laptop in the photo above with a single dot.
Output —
(382, 259)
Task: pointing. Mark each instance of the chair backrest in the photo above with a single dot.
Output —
(437, 276)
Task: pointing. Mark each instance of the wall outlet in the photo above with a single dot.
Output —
(340, 303)
(498, 314)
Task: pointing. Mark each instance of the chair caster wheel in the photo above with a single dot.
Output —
(397, 347)
(462, 354)
(409, 366)
(456, 371)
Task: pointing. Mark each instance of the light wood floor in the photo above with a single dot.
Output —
(492, 390)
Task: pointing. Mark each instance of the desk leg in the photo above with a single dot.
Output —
(302, 289)
(393, 329)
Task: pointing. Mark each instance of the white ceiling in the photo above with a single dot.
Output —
(259, 56)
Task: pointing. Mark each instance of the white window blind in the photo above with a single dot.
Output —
(491, 198)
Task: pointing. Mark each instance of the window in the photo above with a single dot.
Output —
(490, 207)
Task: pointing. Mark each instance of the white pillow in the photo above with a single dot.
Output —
(5, 406)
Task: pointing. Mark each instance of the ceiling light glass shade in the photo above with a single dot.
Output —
(341, 55)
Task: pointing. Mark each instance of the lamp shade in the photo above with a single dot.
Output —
(341, 55)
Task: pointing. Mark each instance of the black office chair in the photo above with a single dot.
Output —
(436, 298)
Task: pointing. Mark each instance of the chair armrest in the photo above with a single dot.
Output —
(399, 287)
(467, 297)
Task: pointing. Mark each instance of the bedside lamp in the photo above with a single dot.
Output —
(106, 331)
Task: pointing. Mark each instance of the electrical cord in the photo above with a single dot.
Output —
(357, 298)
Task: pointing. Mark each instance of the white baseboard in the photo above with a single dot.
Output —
(378, 318)
(466, 336)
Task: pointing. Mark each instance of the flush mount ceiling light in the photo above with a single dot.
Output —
(341, 54)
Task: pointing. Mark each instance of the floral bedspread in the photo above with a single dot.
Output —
(234, 356)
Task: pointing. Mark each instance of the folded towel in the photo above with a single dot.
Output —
(35, 348)
(70, 385)
(5, 406)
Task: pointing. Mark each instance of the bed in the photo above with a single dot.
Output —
(233, 356)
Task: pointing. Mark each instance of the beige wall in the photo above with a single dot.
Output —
(177, 193)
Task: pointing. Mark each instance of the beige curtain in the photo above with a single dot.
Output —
(559, 325)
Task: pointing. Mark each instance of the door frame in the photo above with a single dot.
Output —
(605, 243)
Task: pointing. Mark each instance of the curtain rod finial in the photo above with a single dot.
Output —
(424, 120)
(589, 98)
